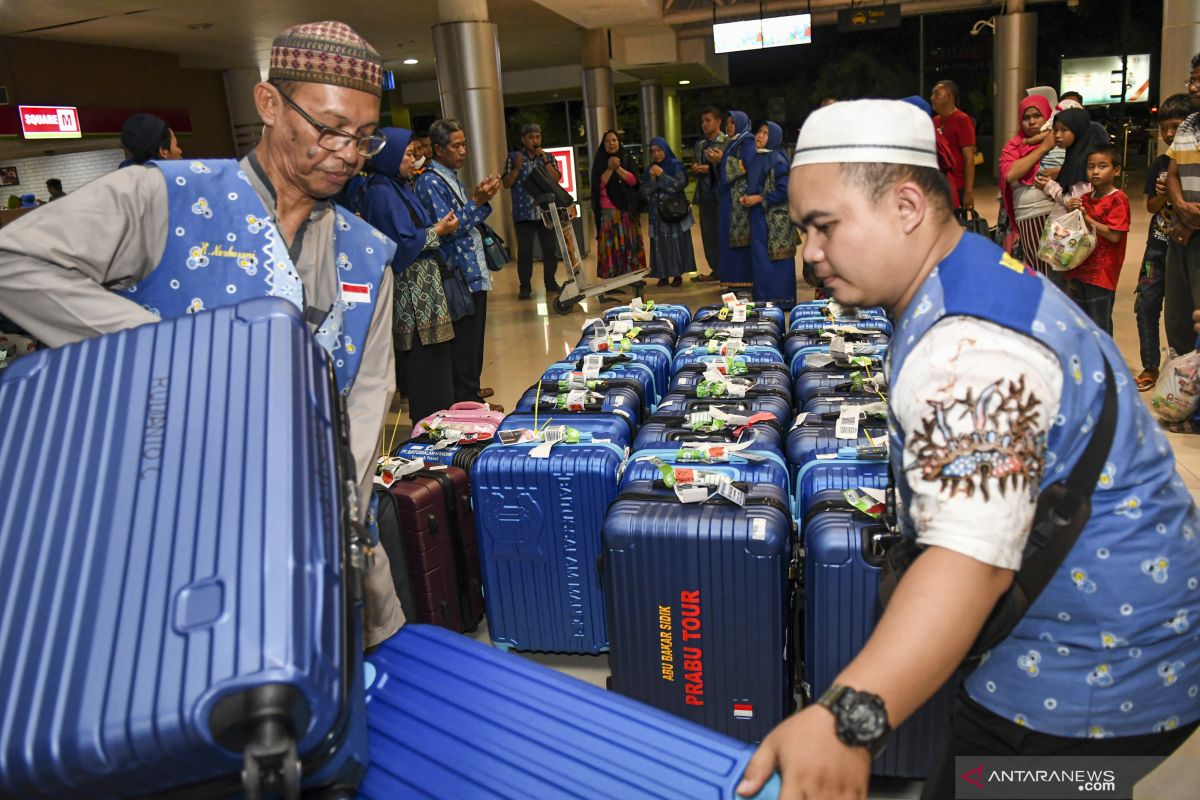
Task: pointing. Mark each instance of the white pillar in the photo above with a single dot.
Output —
(599, 101)
(466, 47)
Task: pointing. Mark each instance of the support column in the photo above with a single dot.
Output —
(652, 113)
(243, 116)
(1014, 58)
(1180, 41)
(672, 125)
(466, 47)
(599, 102)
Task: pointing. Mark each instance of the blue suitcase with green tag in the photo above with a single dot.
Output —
(724, 329)
(452, 718)
(663, 432)
(794, 341)
(605, 427)
(844, 551)
(703, 354)
(865, 324)
(818, 357)
(760, 466)
(656, 356)
(699, 603)
(755, 311)
(779, 407)
(818, 308)
(538, 524)
(623, 401)
(678, 313)
(832, 381)
(763, 380)
(700, 339)
(565, 374)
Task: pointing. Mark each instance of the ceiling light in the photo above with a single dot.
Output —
(410, 61)
(684, 82)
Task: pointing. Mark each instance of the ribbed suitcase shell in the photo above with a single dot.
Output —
(866, 324)
(830, 405)
(804, 358)
(662, 339)
(770, 469)
(639, 372)
(176, 540)
(768, 311)
(778, 377)
(678, 313)
(754, 354)
(751, 327)
(796, 340)
(452, 718)
(778, 407)
(664, 325)
(607, 427)
(816, 308)
(721, 573)
(655, 356)
(659, 434)
(841, 596)
(819, 475)
(804, 441)
(827, 380)
(698, 339)
(621, 401)
(539, 525)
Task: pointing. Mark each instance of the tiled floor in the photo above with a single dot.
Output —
(524, 336)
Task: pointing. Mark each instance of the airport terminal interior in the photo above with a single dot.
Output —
(73, 72)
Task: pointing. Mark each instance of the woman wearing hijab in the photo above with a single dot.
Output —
(773, 238)
(734, 230)
(421, 325)
(1079, 137)
(1020, 163)
(619, 247)
(671, 252)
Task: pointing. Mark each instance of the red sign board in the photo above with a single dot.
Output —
(564, 160)
(50, 122)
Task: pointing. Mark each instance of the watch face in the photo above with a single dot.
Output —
(866, 719)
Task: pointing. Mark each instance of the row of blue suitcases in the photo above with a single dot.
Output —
(184, 614)
(183, 597)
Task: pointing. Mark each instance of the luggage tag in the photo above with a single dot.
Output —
(592, 365)
(735, 366)
(817, 360)
(865, 502)
(800, 418)
(622, 326)
(389, 469)
(601, 327)
(575, 381)
(731, 493)
(837, 347)
(725, 333)
(552, 435)
(516, 436)
(847, 424)
(729, 298)
(739, 422)
(739, 312)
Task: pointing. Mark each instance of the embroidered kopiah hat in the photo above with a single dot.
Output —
(872, 131)
(326, 52)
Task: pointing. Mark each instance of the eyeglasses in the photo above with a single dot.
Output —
(334, 139)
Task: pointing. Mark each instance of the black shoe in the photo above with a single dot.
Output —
(553, 288)
(662, 282)
(677, 282)
(524, 295)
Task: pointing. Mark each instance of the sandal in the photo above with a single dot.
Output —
(1146, 380)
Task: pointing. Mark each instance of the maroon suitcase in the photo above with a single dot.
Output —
(438, 531)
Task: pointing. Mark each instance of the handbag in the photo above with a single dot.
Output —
(1063, 509)
(672, 207)
(495, 253)
(459, 301)
(1181, 232)
(969, 218)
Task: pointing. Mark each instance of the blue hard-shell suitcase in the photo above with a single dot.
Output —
(865, 324)
(566, 372)
(815, 435)
(655, 356)
(818, 308)
(843, 553)
(703, 354)
(812, 383)
(678, 313)
(661, 325)
(200, 579)
(722, 329)
(762, 466)
(538, 522)
(645, 337)
(699, 339)
(840, 469)
(815, 357)
(794, 341)
(775, 380)
(698, 598)
(664, 432)
(604, 427)
(677, 404)
(622, 401)
(452, 718)
(766, 311)
(829, 406)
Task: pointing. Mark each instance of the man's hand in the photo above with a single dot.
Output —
(656, 170)
(713, 154)
(1189, 214)
(1160, 186)
(486, 189)
(519, 160)
(968, 198)
(446, 225)
(812, 761)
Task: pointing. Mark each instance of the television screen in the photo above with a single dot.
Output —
(755, 34)
(1099, 79)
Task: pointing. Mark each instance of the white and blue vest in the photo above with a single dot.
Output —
(1112, 646)
(223, 248)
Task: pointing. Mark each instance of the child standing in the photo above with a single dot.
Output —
(1093, 284)
(1148, 299)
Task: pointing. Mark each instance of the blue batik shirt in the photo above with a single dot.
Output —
(441, 192)
(1111, 648)
(524, 209)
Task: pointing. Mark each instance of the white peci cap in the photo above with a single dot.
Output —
(870, 131)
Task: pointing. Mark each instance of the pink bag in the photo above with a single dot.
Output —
(476, 420)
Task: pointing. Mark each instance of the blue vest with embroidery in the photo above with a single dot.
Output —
(223, 248)
(1112, 646)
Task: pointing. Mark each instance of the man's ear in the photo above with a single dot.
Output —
(267, 103)
(910, 204)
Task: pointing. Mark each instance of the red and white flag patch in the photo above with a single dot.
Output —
(356, 292)
(743, 711)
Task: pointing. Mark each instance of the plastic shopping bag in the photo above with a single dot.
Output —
(1177, 393)
(1066, 241)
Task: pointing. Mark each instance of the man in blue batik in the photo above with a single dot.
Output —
(168, 238)
(996, 385)
(526, 216)
(442, 191)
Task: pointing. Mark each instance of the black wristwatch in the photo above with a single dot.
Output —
(861, 717)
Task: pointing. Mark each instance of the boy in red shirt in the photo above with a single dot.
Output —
(1093, 284)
